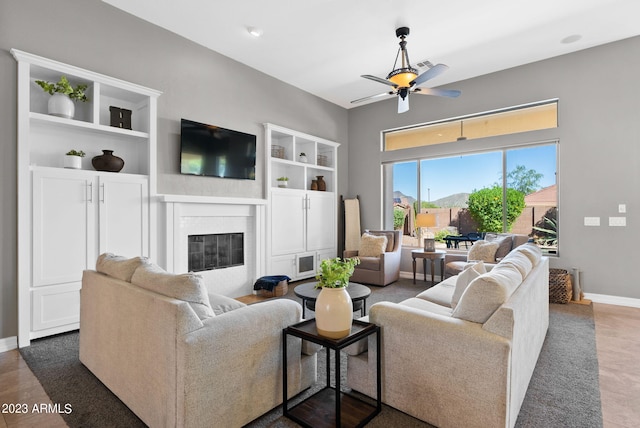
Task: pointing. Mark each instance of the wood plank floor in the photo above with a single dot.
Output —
(617, 342)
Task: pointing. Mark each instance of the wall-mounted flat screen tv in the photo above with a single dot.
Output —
(216, 152)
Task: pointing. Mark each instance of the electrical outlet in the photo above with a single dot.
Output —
(592, 221)
(622, 208)
(617, 221)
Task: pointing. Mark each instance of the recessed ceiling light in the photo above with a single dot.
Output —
(254, 31)
(571, 39)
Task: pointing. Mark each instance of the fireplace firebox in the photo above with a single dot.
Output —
(215, 251)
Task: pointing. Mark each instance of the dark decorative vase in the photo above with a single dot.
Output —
(107, 162)
(314, 184)
(322, 185)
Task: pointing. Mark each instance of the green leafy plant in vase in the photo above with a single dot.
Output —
(335, 273)
(62, 96)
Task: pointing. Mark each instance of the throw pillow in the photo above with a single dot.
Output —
(188, 287)
(372, 245)
(481, 299)
(483, 251)
(118, 267)
(505, 243)
(464, 279)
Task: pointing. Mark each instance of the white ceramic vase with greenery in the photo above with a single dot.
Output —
(73, 159)
(63, 94)
(334, 308)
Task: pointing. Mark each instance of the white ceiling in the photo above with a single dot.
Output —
(323, 46)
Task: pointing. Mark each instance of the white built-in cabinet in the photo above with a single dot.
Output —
(67, 217)
(301, 222)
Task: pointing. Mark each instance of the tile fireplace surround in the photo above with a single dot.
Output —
(199, 215)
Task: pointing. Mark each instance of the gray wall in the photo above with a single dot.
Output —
(599, 150)
(197, 84)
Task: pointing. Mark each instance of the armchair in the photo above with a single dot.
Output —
(382, 269)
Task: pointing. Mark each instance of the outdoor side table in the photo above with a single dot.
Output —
(331, 407)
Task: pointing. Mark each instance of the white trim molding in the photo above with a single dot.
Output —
(8, 343)
(613, 300)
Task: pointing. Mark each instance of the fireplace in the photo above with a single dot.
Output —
(195, 226)
(215, 251)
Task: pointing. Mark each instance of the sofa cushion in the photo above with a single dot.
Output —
(520, 261)
(465, 278)
(221, 304)
(187, 286)
(483, 250)
(505, 243)
(425, 305)
(369, 263)
(372, 245)
(118, 267)
(441, 293)
(532, 251)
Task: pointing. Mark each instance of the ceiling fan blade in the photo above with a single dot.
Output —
(403, 104)
(434, 71)
(379, 80)
(371, 96)
(451, 93)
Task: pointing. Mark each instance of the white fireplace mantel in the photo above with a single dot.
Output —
(186, 214)
(189, 199)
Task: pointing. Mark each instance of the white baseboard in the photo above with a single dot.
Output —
(8, 343)
(613, 300)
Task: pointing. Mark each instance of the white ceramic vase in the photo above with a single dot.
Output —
(71, 161)
(61, 105)
(334, 313)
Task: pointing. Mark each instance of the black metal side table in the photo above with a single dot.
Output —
(331, 407)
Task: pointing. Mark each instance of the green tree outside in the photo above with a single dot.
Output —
(524, 180)
(485, 207)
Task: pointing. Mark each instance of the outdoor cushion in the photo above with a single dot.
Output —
(118, 266)
(483, 250)
(187, 286)
(372, 245)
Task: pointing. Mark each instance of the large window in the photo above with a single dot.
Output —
(508, 190)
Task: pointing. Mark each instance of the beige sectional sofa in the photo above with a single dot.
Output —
(465, 358)
(179, 357)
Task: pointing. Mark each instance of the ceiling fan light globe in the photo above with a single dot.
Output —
(402, 77)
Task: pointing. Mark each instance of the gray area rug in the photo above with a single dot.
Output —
(564, 390)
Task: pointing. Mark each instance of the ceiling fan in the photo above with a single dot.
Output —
(405, 79)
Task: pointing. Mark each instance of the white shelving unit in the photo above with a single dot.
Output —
(67, 217)
(301, 223)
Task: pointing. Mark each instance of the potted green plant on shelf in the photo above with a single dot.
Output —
(73, 159)
(62, 96)
(334, 308)
(282, 181)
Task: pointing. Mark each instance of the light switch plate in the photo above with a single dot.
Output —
(622, 208)
(617, 221)
(592, 221)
